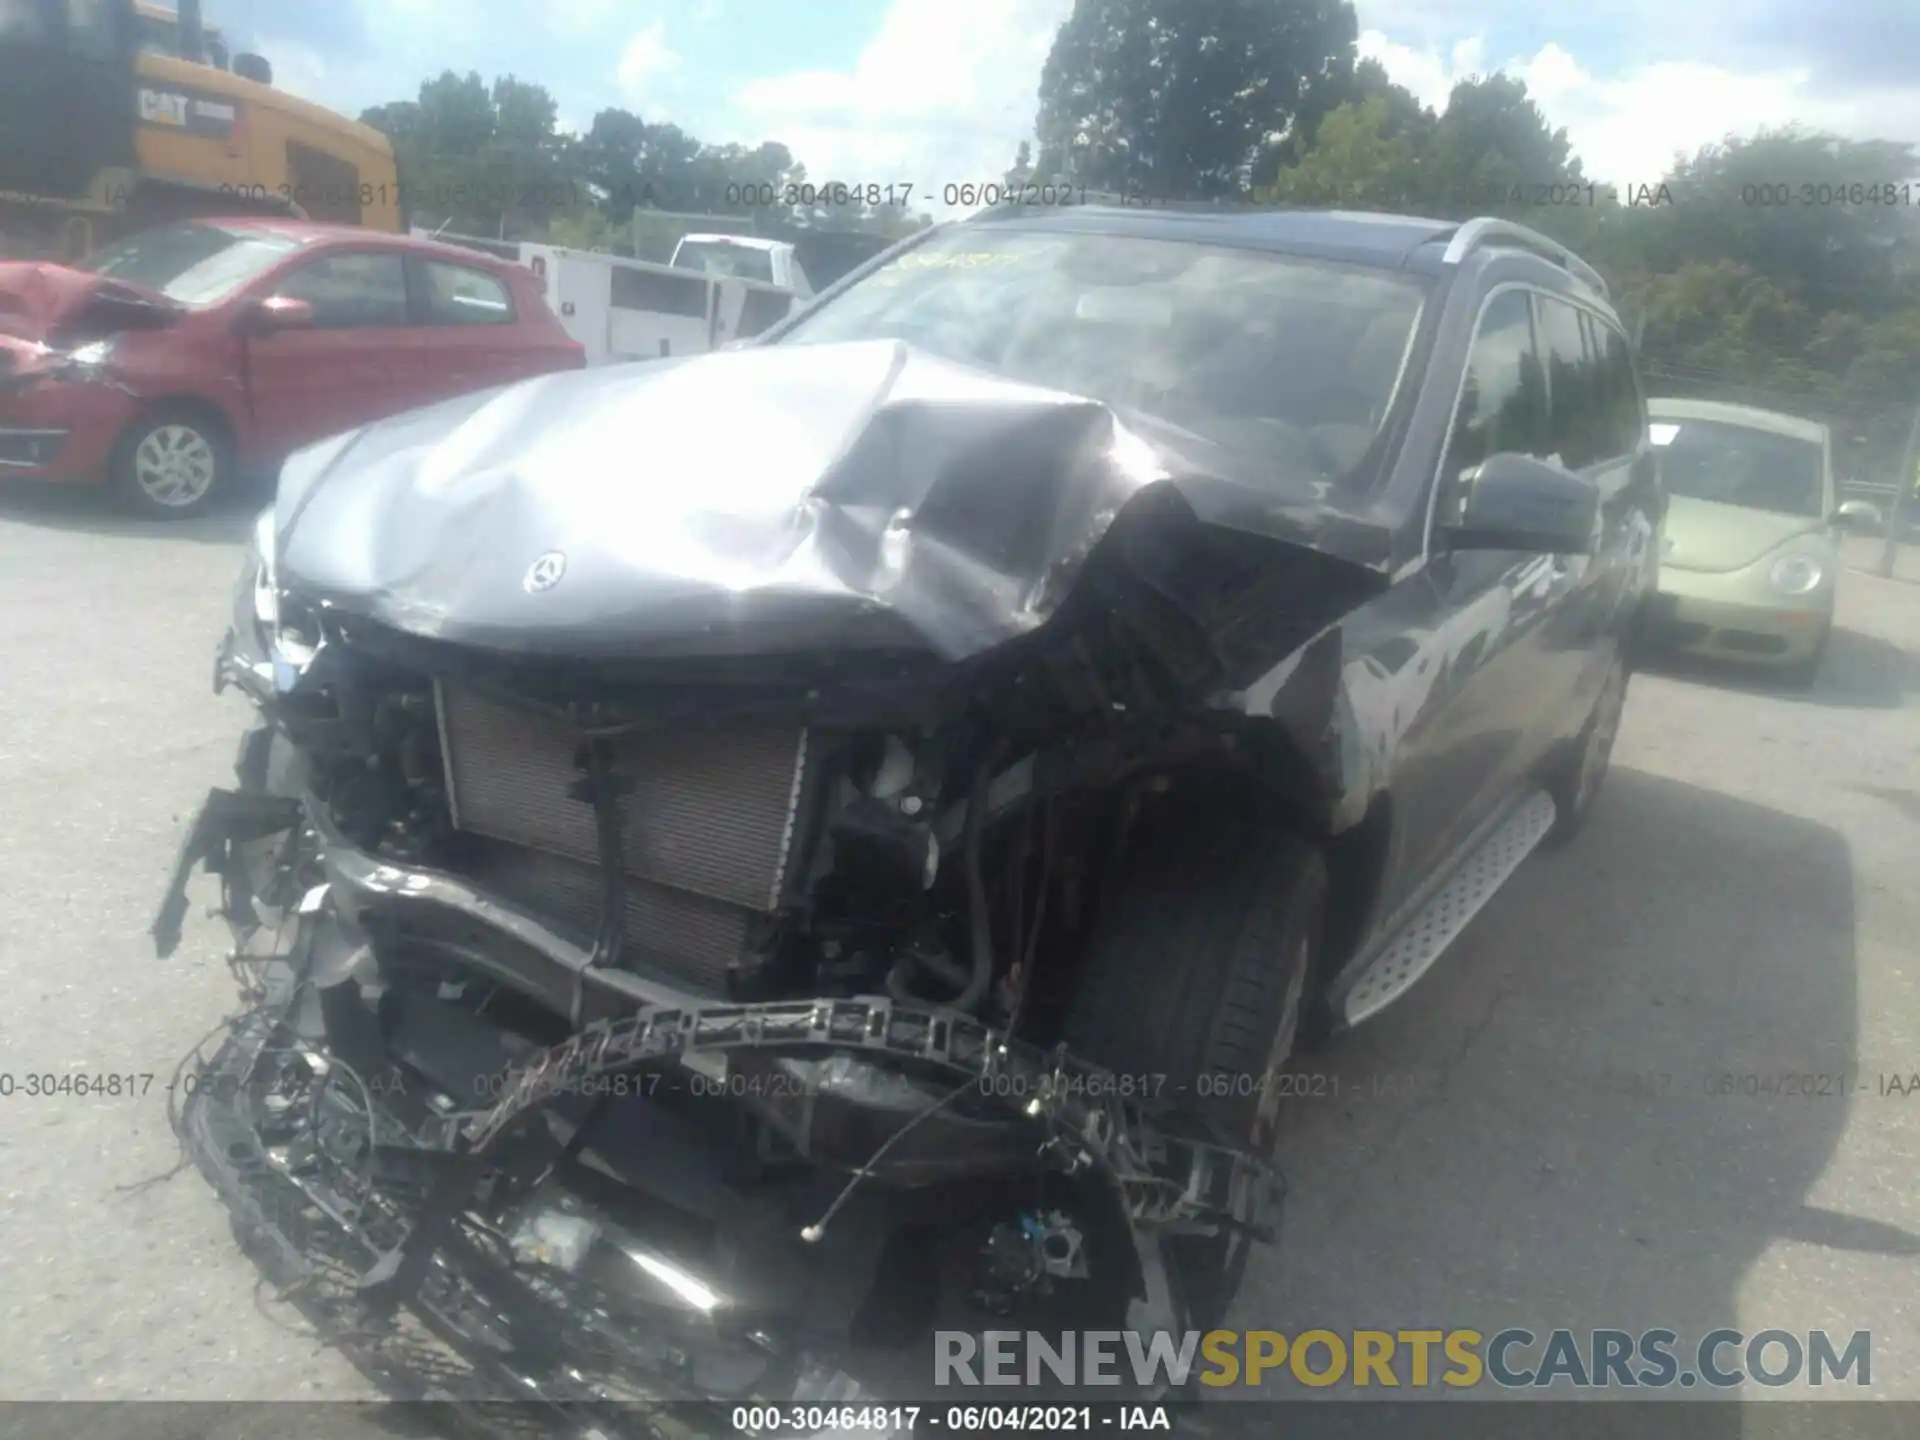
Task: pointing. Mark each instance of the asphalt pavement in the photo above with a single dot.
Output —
(1538, 1136)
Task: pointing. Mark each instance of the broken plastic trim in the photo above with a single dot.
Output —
(310, 1237)
(227, 818)
(1159, 1179)
(303, 1237)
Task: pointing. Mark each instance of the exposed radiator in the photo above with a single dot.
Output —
(708, 821)
(687, 939)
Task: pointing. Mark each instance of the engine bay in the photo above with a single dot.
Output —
(709, 1018)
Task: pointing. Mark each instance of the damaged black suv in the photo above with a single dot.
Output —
(758, 857)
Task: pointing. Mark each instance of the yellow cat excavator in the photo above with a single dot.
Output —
(116, 115)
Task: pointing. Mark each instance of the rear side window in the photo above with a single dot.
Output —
(459, 296)
(354, 291)
(1625, 423)
(1503, 402)
(1576, 407)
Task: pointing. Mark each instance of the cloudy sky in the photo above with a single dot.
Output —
(934, 91)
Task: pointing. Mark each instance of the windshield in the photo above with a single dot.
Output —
(716, 257)
(1740, 465)
(192, 264)
(1289, 362)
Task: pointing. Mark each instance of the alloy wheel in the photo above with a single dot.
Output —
(174, 465)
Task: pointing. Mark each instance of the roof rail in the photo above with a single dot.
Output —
(1486, 230)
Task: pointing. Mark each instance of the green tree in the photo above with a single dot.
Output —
(734, 179)
(1804, 208)
(1183, 99)
(1021, 172)
(1490, 151)
(1493, 151)
(1356, 162)
(1346, 84)
(664, 168)
(528, 171)
(479, 158)
(611, 154)
(587, 229)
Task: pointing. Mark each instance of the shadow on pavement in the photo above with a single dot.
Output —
(89, 509)
(1907, 802)
(1866, 670)
(1557, 1128)
(1859, 672)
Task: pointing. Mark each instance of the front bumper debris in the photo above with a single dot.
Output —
(225, 818)
(363, 1209)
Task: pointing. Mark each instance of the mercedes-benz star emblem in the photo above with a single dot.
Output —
(545, 572)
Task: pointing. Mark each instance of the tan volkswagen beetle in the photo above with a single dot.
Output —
(1750, 557)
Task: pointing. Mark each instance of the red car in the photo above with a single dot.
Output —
(169, 362)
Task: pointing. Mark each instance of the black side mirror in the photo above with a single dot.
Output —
(1515, 502)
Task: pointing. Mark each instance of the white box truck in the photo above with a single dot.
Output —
(621, 309)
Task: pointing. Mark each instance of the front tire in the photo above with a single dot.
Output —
(1577, 782)
(171, 463)
(1193, 984)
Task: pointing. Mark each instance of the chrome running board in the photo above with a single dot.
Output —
(1439, 922)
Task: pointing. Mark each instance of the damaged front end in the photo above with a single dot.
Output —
(682, 1017)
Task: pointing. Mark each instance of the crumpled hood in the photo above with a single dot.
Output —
(772, 498)
(39, 302)
(1709, 536)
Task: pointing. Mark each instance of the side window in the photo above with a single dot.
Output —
(1574, 404)
(352, 291)
(1626, 422)
(1503, 404)
(459, 296)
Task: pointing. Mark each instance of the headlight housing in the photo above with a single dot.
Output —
(266, 578)
(83, 364)
(279, 629)
(93, 354)
(1796, 574)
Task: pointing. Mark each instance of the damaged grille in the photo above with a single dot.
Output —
(708, 825)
